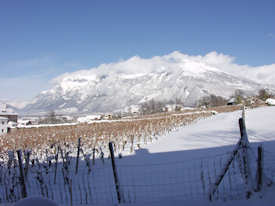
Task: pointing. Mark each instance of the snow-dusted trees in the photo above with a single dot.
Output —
(151, 107)
(212, 101)
(51, 118)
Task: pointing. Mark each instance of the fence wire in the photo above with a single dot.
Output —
(150, 182)
(190, 179)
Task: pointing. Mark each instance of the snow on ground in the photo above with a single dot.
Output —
(255, 201)
(159, 173)
(35, 201)
(209, 137)
(267, 201)
(219, 130)
(216, 135)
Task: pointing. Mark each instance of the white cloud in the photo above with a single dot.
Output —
(27, 87)
(178, 61)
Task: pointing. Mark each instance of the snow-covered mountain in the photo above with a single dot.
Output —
(117, 85)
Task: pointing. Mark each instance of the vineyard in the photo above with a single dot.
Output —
(50, 154)
(96, 136)
(77, 165)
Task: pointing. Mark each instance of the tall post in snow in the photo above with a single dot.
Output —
(118, 192)
(245, 158)
(21, 170)
(77, 158)
(259, 169)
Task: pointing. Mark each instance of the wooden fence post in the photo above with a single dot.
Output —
(93, 156)
(27, 161)
(259, 169)
(56, 164)
(21, 170)
(245, 159)
(115, 172)
(77, 158)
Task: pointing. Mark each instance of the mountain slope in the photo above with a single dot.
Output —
(117, 85)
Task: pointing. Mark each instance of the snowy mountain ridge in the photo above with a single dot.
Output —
(163, 78)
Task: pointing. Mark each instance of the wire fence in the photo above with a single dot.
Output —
(63, 186)
(269, 165)
(190, 179)
(85, 188)
(72, 180)
(150, 182)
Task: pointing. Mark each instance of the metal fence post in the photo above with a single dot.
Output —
(115, 172)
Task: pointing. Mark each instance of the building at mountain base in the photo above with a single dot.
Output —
(3, 125)
(8, 113)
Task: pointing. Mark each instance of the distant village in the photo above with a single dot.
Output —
(10, 120)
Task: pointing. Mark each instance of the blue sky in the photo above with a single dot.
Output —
(40, 40)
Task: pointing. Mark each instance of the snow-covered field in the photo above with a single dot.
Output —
(219, 130)
(177, 169)
(211, 141)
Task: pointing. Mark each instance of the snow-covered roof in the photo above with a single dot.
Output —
(88, 118)
(7, 113)
(232, 100)
(12, 124)
(132, 109)
(270, 101)
(22, 121)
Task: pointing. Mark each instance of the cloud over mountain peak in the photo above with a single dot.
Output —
(135, 80)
